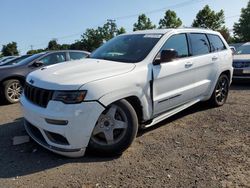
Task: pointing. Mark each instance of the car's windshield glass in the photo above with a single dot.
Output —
(7, 59)
(29, 59)
(15, 61)
(245, 49)
(127, 48)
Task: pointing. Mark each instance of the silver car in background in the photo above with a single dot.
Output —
(241, 63)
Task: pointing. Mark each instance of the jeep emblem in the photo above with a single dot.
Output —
(31, 81)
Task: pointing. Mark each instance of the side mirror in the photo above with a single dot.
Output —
(232, 48)
(166, 56)
(37, 64)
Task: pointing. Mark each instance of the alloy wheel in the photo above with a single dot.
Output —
(111, 126)
(14, 91)
(221, 91)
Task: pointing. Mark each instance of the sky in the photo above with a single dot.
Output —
(35, 22)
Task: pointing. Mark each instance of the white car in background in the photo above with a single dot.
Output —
(134, 80)
(241, 63)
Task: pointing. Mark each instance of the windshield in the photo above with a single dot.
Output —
(127, 48)
(245, 49)
(30, 59)
(7, 59)
(16, 60)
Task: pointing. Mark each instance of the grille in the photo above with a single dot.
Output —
(241, 64)
(38, 96)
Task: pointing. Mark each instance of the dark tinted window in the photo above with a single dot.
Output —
(53, 58)
(127, 48)
(77, 55)
(200, 44)
(178, 43)
(216, 43)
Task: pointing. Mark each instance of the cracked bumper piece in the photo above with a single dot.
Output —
(69, 139)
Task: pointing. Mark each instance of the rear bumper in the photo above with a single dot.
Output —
(70, 139)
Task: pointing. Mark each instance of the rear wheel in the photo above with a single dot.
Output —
(12, 90)
(221, 90)
(115, 129)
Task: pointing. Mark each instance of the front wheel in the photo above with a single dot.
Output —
(115, 129)
(220, 92)
(12, 90)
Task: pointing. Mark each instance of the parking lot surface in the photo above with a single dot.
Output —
(199, 147)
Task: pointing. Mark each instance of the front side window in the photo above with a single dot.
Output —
(216, 43)
(178, 43)
(127, 48)
(199, 43)
(53, 58)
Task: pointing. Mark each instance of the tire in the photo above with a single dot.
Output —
(115, 129)
(12, 90)
(220, 92)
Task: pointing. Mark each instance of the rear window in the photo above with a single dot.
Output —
(216, 43)
(199, 43)
(77, 55)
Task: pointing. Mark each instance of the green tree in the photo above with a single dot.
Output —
(10, 49)
(170, 20)
(35, 51)
(77, 45)
(242, 28)
(225, 33)
(121, 31)
(207, 18)
(65, 47)
(53, 45)
(93, 38)
(143, 23)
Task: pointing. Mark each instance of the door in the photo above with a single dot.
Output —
(173, 81)
(204, 63)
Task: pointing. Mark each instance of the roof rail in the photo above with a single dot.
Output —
(186, 27)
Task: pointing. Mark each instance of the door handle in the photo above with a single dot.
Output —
(214, 58)
(189, 64)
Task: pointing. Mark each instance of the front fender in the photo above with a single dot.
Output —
(145, 101)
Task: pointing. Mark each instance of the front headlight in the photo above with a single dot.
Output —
(69, 97)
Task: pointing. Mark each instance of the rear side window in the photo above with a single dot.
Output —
(216, 43)
(178, 43)
(76, 55)
(199, 43)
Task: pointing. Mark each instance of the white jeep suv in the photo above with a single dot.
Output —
(134, 80)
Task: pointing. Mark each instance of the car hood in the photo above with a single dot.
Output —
(239, 57)
(72, 75)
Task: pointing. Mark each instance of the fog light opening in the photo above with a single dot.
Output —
(56, 122)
